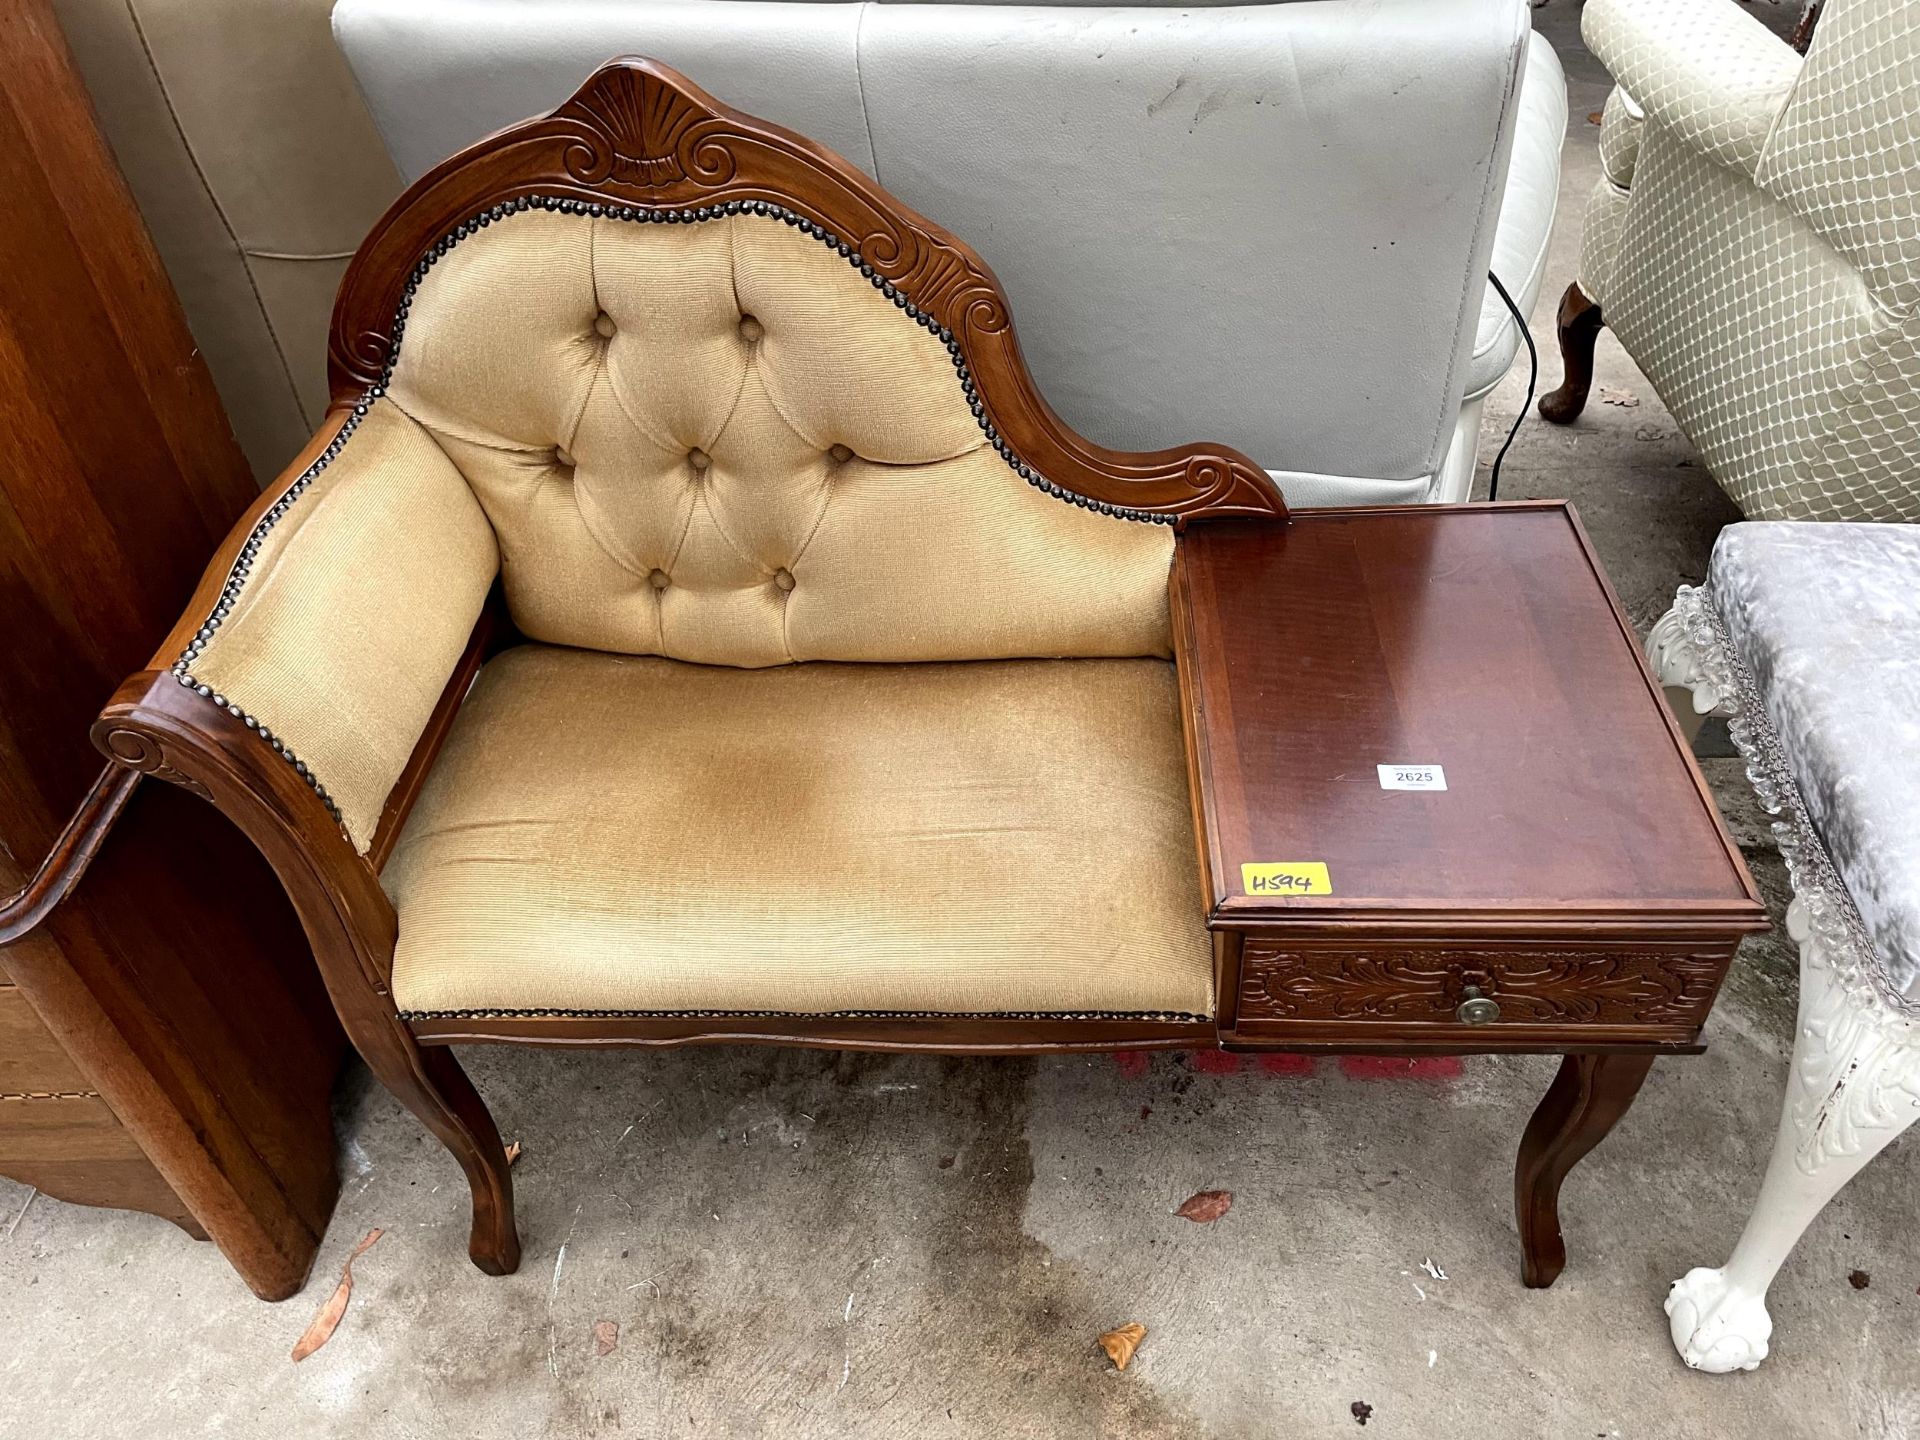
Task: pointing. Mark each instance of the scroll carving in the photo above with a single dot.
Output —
(139, 751)
(1537, 986)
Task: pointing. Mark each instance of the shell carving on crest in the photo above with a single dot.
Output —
(644, 133)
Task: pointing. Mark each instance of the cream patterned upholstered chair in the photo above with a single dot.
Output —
(1808, 638)
(1755, 245)
(592, 676)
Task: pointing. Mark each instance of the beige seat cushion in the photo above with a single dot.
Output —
(612, 833)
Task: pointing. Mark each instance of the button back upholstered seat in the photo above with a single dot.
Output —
(693, 625)
(716, 443)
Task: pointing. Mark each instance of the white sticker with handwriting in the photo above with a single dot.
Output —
(1412, 777)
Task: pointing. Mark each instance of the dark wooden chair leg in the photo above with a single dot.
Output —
(430, 1083)
(1587, 1097)
(1580, 323)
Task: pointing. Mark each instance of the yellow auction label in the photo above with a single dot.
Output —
(1286, 877)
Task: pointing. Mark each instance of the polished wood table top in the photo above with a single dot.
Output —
(1344, 667)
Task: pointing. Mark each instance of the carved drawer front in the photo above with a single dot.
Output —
(1480, 988)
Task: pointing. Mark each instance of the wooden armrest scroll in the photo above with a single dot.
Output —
(154, 726)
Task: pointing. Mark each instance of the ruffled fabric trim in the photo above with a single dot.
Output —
(1834, 922)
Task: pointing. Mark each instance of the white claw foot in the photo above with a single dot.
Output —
(1716, 1326)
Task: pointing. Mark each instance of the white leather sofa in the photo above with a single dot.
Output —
(1269, 225)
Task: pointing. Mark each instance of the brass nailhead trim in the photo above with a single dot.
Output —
(554, 1014)
(49, 1095)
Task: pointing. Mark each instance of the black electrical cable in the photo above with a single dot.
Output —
(1533, 378)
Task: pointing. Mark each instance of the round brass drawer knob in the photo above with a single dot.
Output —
(1476, 1009)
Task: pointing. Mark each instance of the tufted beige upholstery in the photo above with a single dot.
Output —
(1755, 244)
(645, 835)
(715, 442)
(718, 443)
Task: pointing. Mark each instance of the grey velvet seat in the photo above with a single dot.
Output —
(1807, 636)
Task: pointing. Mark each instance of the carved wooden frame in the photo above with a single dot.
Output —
(638, 137)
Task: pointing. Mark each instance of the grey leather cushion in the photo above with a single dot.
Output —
(1827, 618)
(1267, 225)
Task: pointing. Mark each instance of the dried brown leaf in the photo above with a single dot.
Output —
(1206, 1206)
(513, 1154)
(1120, 1344)
(328, 1320)
(1859, 1279)
(1594, 117)
(1625, 399)
(606, 1336)
(946, 1162)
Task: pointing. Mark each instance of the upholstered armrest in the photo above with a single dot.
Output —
(336, 612)
(1704, 69)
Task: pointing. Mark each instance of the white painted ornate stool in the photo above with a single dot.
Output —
(1807, 636)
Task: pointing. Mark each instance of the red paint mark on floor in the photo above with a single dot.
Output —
(1287, 1064)
(1402, 1067)
(1214, 1062)
(1133, 1063)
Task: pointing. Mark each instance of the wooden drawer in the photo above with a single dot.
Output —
(1396, 993)
(58, 1135)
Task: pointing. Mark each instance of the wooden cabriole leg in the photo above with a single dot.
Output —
(1587, 1097)
(156, 726)
(1579, 326)
(429, 1082)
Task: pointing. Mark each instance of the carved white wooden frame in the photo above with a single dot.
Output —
(1855, 1079)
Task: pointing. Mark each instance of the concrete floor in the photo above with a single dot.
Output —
(808, 1244)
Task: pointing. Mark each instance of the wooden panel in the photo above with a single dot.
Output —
(31, 1060)
(117, 1181)
(176, 978)
(1482, 639)
(74, 1128)
(119, 471)
(74, 1149)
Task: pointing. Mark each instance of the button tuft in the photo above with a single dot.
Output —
(603, 325)
(699, 459)
(658, 579)
(562, 458)
(751, 330)
(841, 454)
(784, 579)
